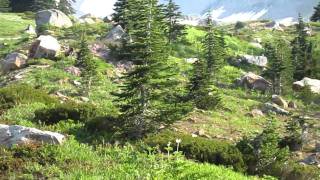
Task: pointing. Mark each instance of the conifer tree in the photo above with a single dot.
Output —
(145, 100)
(39, 5)
(214, 49)
(316, 16)
(21, 5)
(301, 52)
(120, 9)
(87, 64)
(280, 67)
(4, 6)
(174, 29)
(201, 88)
(66, 6)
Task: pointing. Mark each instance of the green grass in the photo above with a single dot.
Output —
(73, 160)
(12, 25)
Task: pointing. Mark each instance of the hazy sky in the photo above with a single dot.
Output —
(104, 7)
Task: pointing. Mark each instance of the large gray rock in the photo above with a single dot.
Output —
(45, 47)
(53, 17)
(13, 61)
(114, 36)
(260, 61)
(314, 85)
(19, 135)
(254, 82)
(270, 107)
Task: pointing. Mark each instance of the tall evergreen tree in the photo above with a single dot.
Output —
(21, 5)
(66, 6)
(280, 67)
(316, 15)
(87, 64)
(145, 99)
(4, 6)
(174, 29)
(201, 90)
(214, 49)
(39, 5)
(120, 9)
(301, 52)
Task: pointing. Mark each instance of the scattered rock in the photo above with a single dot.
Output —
(191, 60)
(19, 135)
(270, 107)
(313, 159)
(256, 113)
(253, 81)
(257, 40)
(53, 17)
(73, 70)
(45, 47)
(274, 26)
(194, 135)
(89, 19)
(260, 61)
(114, 36)
(76, 83)
(256, 45)
(201, 132)
(61, 96)
(314, 85)
(13, 61)
(84, 99)
(292, 105)
(278, 100)
(30, 30)
(317, 147)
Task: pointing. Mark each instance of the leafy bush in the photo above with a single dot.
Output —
(78, 112)
(201, 149)
(262, 153)
(22, 94)
(210, 101)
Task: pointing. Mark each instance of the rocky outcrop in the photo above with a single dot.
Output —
(53, 17)
(278, 100)
(114, 36)
(73, 70)
(13, 61)
(30, 30)
(313, 84)
(45, 47)
(274, 26)
(255, 113)
(254, 82)
(260, 61)
(191, 60)
(19, 135)
(292, 105)
(89, 19)
(273, 108)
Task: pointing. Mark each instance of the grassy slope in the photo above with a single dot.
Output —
(88, 162)
(13, 24)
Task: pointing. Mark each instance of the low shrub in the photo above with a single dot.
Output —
(22, 94)
(103, 123)
(200, 149)
(78, 112)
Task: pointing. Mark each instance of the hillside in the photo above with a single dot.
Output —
(47, 93)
